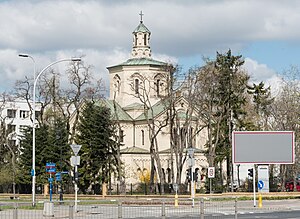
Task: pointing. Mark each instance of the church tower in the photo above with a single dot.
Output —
(139, 75)
(141, 38)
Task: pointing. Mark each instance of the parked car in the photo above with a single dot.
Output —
(289, 186)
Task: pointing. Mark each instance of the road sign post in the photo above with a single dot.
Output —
(260, 186)
(50, 169)
(75, 161)
(211, 175)
(191, 156)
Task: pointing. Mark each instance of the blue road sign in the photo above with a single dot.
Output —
(58, 176)
(50, 180)
(51, 171)
(32, 172)
(50, 164)
(260, 184)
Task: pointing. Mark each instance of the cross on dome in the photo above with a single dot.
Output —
(141, 14)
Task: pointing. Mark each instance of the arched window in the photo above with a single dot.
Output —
(157, 87)
(145, 39)
(121, 135)
(143, 137)
(136, 86)
(117, 84)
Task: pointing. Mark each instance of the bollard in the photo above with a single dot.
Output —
(235, 208)
(119, 209)
(71, 211)
(176, 200)
(15, 212)
(202, 208)
(259, 200)
(163, 210)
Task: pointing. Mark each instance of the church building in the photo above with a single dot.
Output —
(138, 88)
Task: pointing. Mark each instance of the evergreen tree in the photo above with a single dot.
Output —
(262, 100)
(41, 143)
(98, 152)
(231, 89)
(50, 146)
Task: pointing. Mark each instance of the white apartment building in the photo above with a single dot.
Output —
(16, 115)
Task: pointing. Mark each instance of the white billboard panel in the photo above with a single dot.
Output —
(263, 147)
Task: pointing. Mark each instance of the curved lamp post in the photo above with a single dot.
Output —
(33, 113)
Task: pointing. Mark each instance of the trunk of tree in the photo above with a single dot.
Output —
(283, 176)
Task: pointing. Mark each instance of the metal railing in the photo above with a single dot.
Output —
(204, 208)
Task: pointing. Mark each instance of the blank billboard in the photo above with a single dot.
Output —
(268, 147)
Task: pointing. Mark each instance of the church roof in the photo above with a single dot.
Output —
(141, 61)
(134, 150)
(122, 115)
(157, 108)
(134, 106)
(141, 28)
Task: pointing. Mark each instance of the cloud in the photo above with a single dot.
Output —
(102, 30)
(261, 72)
(190, 27)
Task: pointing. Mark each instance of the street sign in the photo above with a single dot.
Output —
(211, 172)
(51, 171)
(191, 151)
(50, 165)
(58, 176)
(190, 162)
(75, 161)
(260, 184)
(75, 148)
(50, 180)
(263, 175)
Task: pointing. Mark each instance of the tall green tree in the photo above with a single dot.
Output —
(51, 146)
(262, 101)
(231, 94)
(98, 152)
(41, 157)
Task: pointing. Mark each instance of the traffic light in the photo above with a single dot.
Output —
(250, 172)
(76, 177)
(188, 174)
(196, 176)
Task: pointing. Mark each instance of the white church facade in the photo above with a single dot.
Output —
(138, 87)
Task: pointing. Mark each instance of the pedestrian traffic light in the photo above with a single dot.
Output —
(250, 172)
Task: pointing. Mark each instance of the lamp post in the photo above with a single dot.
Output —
(33, 113)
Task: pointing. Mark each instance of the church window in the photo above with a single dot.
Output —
(136, 86)
(143, 137)
(121, 135)
(117, 84)
(11, 113)
(145, 39)
(135, 37)
(157, 87)
(168, 175)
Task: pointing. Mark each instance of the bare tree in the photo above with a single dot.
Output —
(285, 117)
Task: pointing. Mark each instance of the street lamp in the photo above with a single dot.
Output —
(33, 113)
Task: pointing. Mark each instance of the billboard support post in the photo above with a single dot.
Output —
(254, 192)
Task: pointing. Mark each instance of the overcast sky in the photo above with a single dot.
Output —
(265, 32)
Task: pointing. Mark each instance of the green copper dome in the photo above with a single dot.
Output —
(141, 28)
